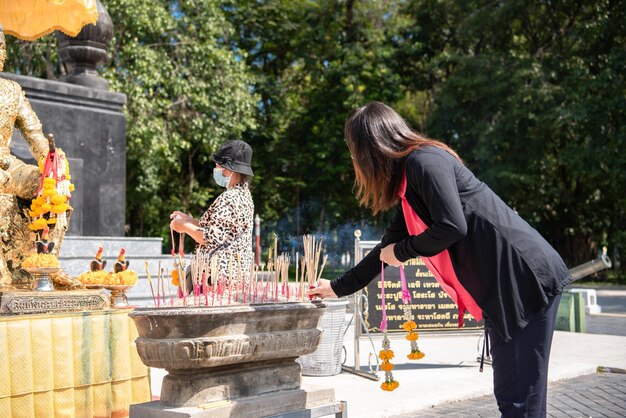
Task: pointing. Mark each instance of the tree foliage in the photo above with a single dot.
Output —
(533, 98)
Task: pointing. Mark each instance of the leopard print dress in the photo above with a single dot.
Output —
(227, 230)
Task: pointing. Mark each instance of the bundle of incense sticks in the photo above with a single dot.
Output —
(262, 284)
(311, 261)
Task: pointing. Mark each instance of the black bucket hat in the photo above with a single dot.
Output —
(235, 155)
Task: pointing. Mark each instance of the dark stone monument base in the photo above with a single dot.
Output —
(16, 302)
(90, 126)
(282, 402)
(229, 382)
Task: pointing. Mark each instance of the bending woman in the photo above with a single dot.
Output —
(489, 260)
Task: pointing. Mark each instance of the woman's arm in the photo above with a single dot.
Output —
(189, 227)
(364, 272)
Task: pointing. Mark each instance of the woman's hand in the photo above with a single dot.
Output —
(178, 225)
(387, 255)
(180, 215)
(322, 290)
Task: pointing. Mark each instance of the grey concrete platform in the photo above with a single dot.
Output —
(282, 403)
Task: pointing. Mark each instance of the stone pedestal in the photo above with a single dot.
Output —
(299, 401)
(231, 360)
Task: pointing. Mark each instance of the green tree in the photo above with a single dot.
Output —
(313, 62)
(37, 59)
(533, 97)
(188, 92)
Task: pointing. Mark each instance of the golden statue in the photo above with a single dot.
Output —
(17, 179)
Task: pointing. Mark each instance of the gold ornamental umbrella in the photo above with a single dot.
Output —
(32, 19)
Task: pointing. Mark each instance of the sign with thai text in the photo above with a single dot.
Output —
(433, 309)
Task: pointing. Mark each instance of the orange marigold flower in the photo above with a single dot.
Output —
(412, 336)
(175, 281)
(60, 208)
(409, 326)
(386, 366)
(385, 354)
(416, 355)
(389, 386)
(58, 199)
(38, 224)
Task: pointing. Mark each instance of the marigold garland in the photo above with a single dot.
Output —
(412, 335)
(389, 386)
(50, 206)
(386, 366)
(385, 355)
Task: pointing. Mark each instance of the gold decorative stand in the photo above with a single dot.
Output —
(118, 295)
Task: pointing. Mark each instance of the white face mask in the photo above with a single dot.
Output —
(220, 178)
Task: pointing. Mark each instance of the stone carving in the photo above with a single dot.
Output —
(81, 54)
(210, 352)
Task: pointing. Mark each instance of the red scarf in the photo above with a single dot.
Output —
(440, 265)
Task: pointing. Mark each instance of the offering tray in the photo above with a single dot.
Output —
(42, 282)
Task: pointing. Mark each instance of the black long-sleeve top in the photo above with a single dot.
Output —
(506, 266)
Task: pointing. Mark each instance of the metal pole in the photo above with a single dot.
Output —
(257, 233)
(590, 267)
(357, 304)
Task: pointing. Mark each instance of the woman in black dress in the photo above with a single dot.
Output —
(488, 259)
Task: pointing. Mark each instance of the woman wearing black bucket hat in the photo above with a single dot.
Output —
(224, 232)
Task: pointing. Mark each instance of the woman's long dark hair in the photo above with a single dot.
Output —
(379, 140)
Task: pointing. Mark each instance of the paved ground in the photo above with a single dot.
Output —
(593, 395)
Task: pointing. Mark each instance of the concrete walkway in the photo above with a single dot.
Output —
(449, 373)
(447, 380)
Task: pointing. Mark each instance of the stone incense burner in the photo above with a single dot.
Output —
(222, 353)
